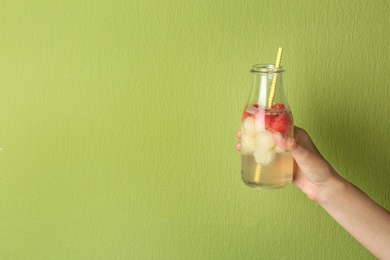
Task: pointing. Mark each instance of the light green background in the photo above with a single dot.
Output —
(118, 123)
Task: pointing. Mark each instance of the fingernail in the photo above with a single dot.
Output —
(280, 137)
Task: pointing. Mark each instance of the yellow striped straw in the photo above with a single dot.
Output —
(258, 173)
(270, 101)
(275, 78)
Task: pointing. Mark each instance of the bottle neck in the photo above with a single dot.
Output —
(267, 86)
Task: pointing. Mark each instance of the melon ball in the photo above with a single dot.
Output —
(247, 144)
(248, 126)
(264, 140)
(265, 158)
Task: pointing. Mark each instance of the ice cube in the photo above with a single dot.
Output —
(247, 144)
(265, 158)
(252, 109)
(264, 140)
(249, 126)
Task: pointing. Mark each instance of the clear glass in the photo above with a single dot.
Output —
(263, 164)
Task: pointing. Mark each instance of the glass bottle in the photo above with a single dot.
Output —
(264, 165)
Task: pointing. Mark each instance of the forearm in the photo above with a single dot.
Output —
(363, 218)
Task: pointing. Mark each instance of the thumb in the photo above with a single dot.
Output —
(312, 167)
(285, 142)
(290, 144)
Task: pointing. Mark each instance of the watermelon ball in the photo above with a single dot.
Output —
(278, 122)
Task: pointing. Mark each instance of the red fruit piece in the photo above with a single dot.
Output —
(281, 123)
(277, 121)
(279, 106)
(269, 120)
(245, 115)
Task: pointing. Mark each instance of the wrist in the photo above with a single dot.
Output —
(332, 189)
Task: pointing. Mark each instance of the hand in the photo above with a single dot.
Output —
(362, 217)
(312, 173)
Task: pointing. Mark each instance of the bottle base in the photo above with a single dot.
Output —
(267, 186)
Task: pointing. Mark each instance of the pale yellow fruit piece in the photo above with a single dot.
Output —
(264, 140)
(265, 158)
(248, 125)
(247, 144)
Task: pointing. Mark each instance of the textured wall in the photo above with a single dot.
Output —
(118, 123)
